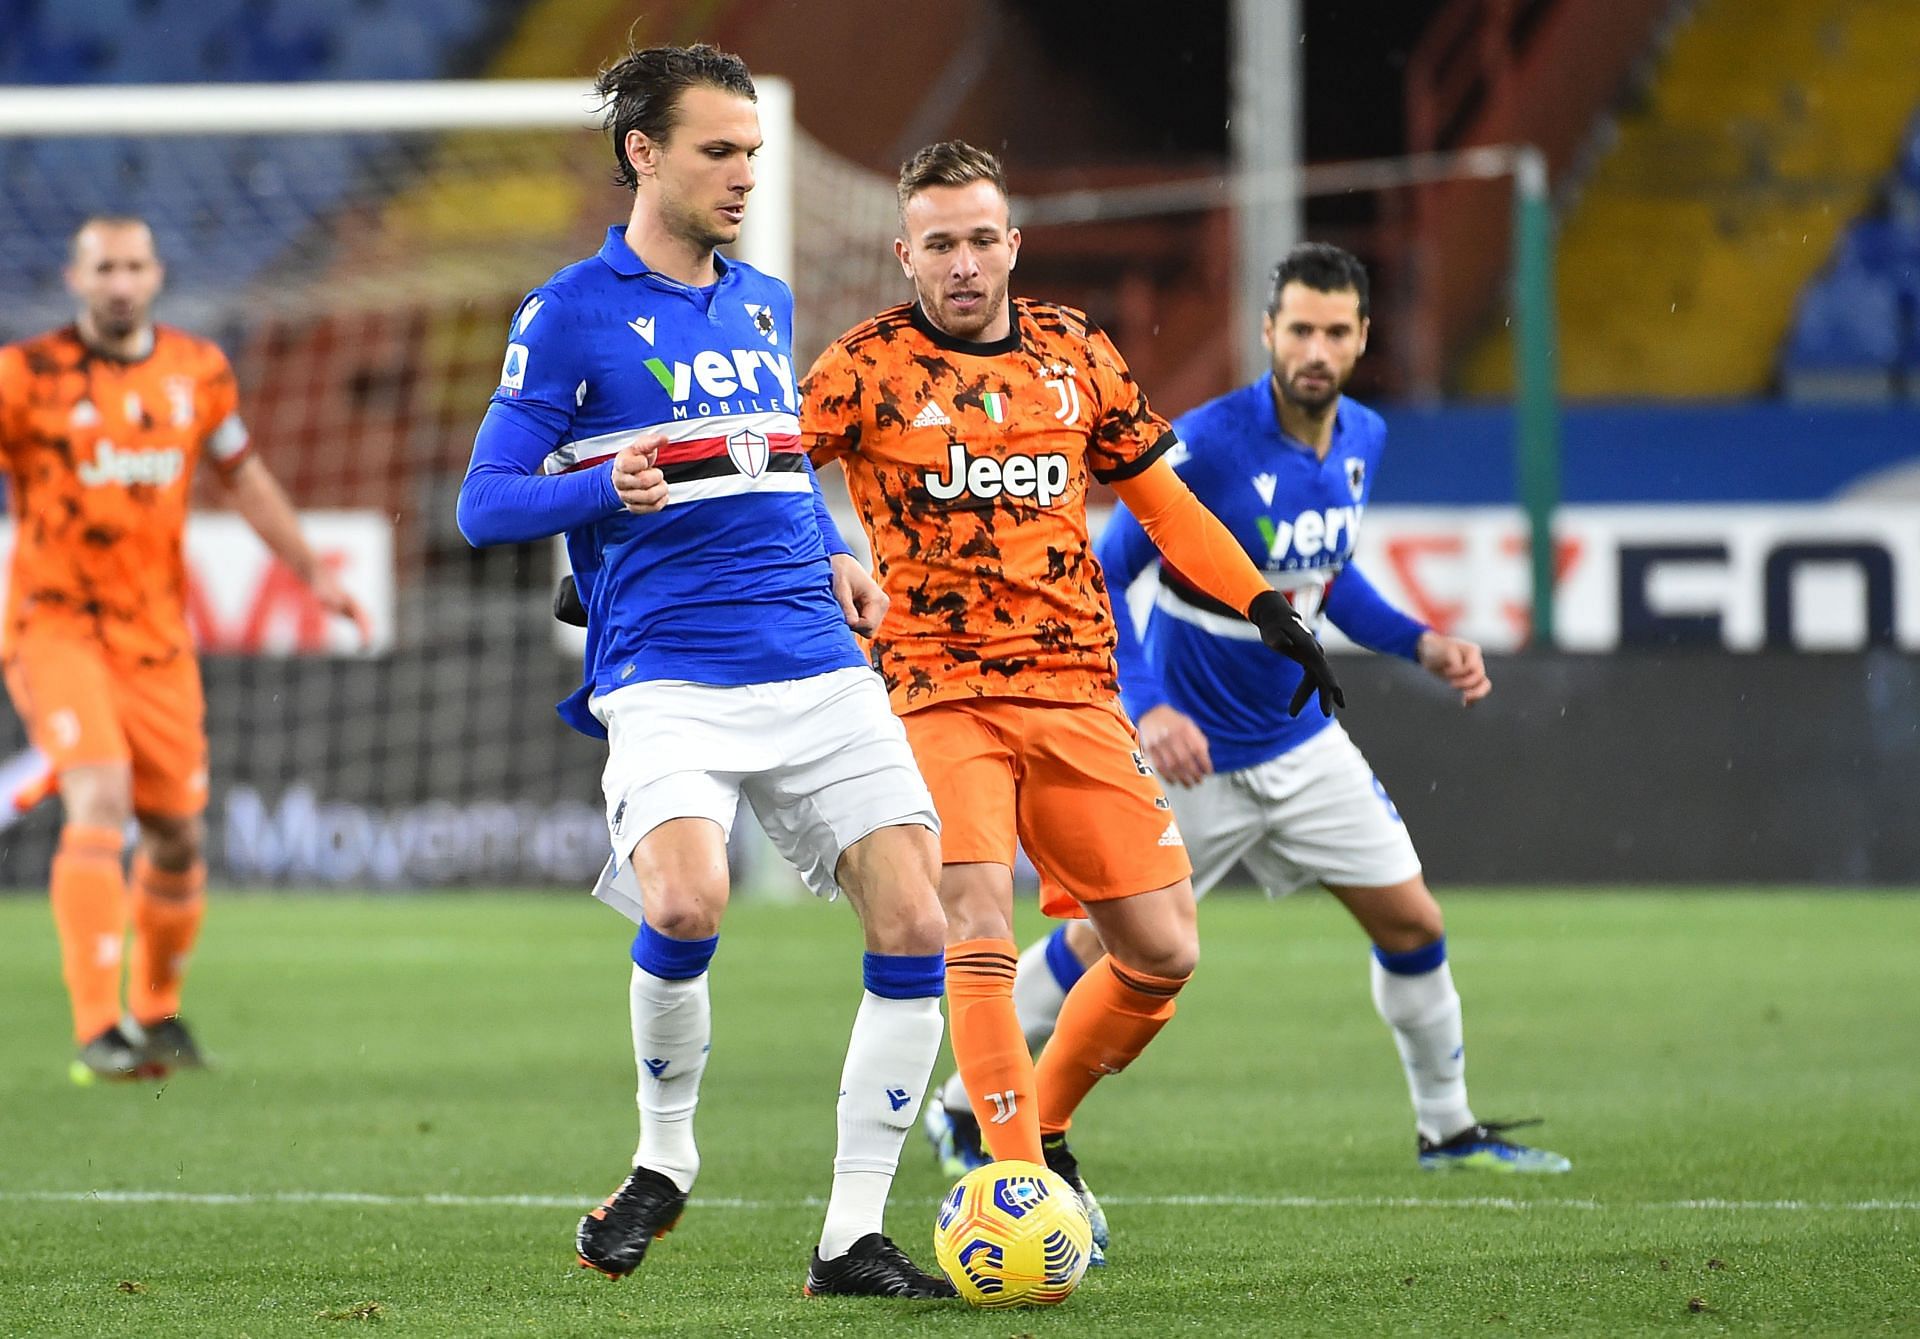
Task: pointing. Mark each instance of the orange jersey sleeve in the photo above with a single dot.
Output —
(1128, 436)
(969, 466)
(223, 433)
(100, 454)
(1196, 545)
(831, 391)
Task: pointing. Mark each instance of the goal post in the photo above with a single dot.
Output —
(357, 249)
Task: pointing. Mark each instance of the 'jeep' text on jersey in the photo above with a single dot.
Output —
(969, 464)
(730, 583)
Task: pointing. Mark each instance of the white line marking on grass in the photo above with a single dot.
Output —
(445, 1201)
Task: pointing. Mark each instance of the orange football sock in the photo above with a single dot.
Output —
(167, 907)
(990, 1048)
(1110, 1015)
(89, 895)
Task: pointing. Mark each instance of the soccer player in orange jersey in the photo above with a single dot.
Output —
(970, 425)
(101, 425)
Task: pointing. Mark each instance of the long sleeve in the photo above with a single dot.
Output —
(828, 530)
(505, 499)
(1124, 552)
(1358, 609)
(1200, 549)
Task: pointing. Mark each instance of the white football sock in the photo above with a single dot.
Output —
(1424, 1013)
(889, 1061)
(672, 1030)
(1037, 995)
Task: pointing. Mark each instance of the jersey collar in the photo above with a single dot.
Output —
(139, 355)
(988, 349)
(1270, 409)
(625, 262)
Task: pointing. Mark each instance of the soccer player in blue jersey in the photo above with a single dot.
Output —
(1288, 464)
(646, 410)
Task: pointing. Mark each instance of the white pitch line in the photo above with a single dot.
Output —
(443, 1201)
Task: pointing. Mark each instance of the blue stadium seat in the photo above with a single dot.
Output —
(1857, 330)
(1849, 319)
(225, 209)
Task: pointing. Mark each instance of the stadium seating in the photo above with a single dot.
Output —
(1856, 333)
(1766, 125)
(247, 199)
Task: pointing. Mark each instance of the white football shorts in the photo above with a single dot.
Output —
(1315, 814)
(822, 761)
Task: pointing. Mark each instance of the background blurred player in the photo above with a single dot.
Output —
(1288, 464)
(102, 424)
(646, 409)
(970, 426)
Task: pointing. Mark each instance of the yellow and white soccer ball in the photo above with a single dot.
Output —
(1012, 1234)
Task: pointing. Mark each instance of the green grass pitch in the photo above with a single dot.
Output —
(1736, 1077)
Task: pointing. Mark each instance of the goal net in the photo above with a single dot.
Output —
(358, 250)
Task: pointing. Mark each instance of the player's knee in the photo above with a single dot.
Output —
(1415, 923)
(977, 901)
(975, 918)
(97, 797)
(1084, 940)
(1173, 956)
(685, 914)
(174, 845)
(917, 928)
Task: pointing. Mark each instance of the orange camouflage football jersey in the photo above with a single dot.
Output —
(100, 456)
(969, 465)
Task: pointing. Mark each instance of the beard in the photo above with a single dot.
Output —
(1313, 399)
(965, 324)
(115, 321)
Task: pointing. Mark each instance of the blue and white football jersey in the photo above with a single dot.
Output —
(730, 583)
(1298, 517)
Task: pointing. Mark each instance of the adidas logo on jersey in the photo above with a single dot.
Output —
(1171, 837)
(931, 416)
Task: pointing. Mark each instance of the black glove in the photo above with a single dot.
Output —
(566, 604)
(1282, 631)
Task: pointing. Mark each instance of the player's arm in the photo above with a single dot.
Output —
(506, 498)
(252, 491)
(1169, 738)
(862, 602)
(1358, 609)
(509, 496)
(1206, 554)
(1127, 448)
(829, 429)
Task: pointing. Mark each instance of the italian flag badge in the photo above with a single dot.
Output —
(995, 403)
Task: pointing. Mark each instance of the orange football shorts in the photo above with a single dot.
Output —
(1066, 779)
(82, 707)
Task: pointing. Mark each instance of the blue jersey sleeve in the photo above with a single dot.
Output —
(505, 498)
(1124, 552)
(828, 530)
(1362, 612)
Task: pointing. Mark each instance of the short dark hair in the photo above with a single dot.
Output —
(1322, 267)
(951, 162)
(641, 91)
(103, 221)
